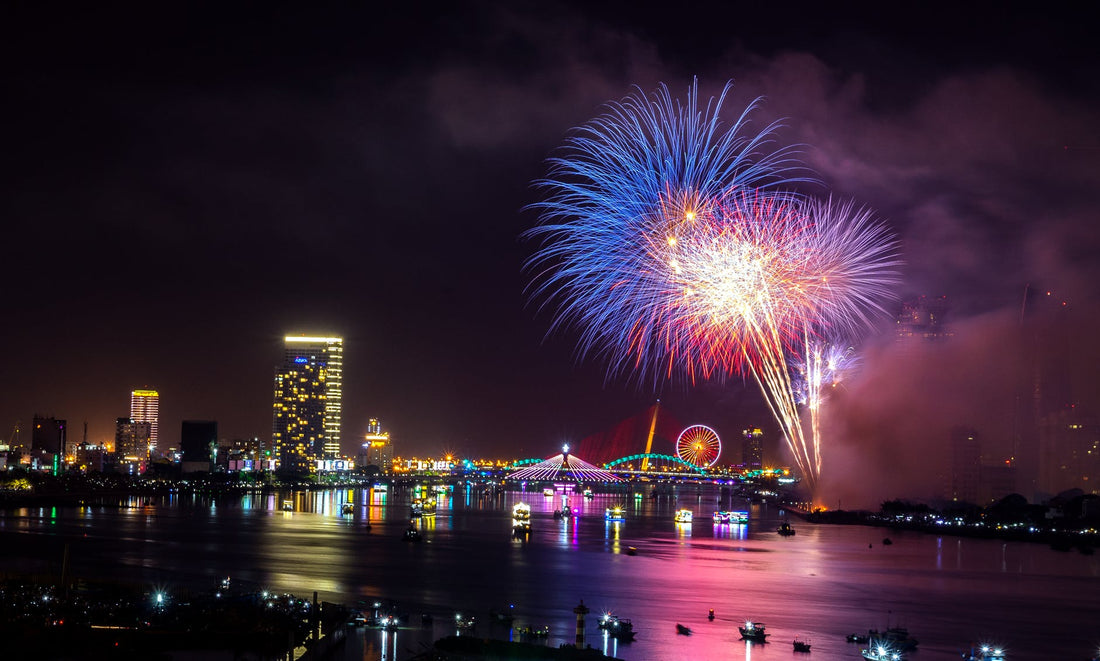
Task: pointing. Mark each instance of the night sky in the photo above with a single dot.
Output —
(184, 186)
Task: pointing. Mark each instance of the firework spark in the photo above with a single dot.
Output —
(674, 250)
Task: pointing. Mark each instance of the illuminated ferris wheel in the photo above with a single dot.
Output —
(699, 445)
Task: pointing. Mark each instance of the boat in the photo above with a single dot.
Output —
(412, 534)
(521, 519)
(739, 517)
(721, 517)
(632, 550)
(857, 638)
(588, 493)
(614, 514)
(548, 492)
(785, 529)
(985, 653)
(682, 516)
(423, 507)
(380, 486)
(288, 505)
(882, 653)
(389, 623)
(754, 631)
(886, 541)
(682, 630)
(616, 628)
(801, 645)
(347, 508)
(464, 623)
(504, 617)
(896, 638)
(565, 512)
(529, 632)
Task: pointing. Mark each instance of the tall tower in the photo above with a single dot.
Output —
(145, 407)
(308, 401)
(752, 449)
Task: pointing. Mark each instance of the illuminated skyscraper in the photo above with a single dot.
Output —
(377, 448)
(145, 407)
(307, 409)
(752, 449)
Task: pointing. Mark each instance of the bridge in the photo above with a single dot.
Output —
(664, 465)
(656, 465)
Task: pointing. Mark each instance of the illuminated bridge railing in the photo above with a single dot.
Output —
(660, 459)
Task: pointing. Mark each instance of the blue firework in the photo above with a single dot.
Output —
(619, 186)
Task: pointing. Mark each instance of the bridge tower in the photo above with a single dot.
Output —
(652, 430)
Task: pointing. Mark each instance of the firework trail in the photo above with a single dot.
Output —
(671, 245)
(821, 367)
(620, 182)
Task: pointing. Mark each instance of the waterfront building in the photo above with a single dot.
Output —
(198, 443)
(377, 448)
(922, 319)
(145, 407)
(48, 435)
(964, 482)
(132, 445)
(308, 402)
(752, 449)
(1069, 452)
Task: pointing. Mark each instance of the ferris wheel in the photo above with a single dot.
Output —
(699, 445)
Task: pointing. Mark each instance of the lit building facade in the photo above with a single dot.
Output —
(377, 448)
(308, 402)
(752, 449)
(132, 444)
(145, 407)
(1069, 452)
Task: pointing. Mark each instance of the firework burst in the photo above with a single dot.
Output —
(672, 247)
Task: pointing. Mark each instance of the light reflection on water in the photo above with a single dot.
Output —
(819, 585)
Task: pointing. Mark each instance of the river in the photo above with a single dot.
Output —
(818, 585)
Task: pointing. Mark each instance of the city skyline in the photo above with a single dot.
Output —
(287, 169)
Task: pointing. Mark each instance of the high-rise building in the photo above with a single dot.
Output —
(752, 449)
(132, 444)
(377, 448)
(966, 465)
(198, 439)
(922, 319)
(48, 435)
(145, 407)
(308, 402)
(1069, 452)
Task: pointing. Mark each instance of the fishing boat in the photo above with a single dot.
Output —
(617, 628)
(682, 516)
(521, 519)
(801, 645)
(882, 653)
(682, 630)
(895, 638)
(753, 631)
(423, 507)
(614, 514)
(985, 653)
